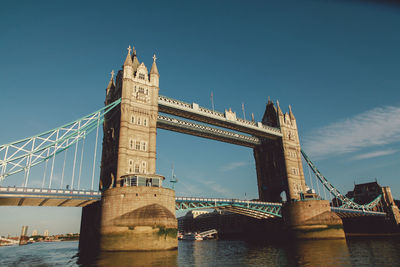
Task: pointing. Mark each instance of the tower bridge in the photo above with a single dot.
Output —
(136, 212)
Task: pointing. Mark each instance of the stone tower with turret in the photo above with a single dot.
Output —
(137, 213)
(279, 169)
(278, 162)
(129, 143)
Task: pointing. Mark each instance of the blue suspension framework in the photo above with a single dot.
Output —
(346, 202)
(246, 207)
(22, 155)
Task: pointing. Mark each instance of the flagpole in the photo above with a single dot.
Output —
(244, 114)
(212, 100)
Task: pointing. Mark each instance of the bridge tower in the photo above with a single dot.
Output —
(136, 212)
(278, 162)
(279, 169)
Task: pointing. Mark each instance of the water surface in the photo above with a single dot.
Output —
(352, 252)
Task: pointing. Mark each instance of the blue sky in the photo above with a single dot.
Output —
(335, 62)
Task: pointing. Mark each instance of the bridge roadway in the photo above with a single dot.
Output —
(226, 120)
(21, 196)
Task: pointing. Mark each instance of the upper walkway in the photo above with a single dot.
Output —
(227, 120)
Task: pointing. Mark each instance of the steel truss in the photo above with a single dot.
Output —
(256, 209)
(346, 202)
(21, 155)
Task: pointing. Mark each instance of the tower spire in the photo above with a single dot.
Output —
(154, 69)
(279, 108)
(135, 61)
(128, 60)
(291, 113)
(111, 84)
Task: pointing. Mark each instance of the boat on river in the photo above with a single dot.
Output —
(190, 236)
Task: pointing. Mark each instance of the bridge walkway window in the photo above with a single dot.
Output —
(142, 180)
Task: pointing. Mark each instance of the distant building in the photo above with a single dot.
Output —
(23, 239)
(46, 233)
(194, 221)
(34, 232)
(24, 230)
(367, 192)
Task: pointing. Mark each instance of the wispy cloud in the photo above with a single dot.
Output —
(233, 165)
(379, 126)
(185, 189)
(221, 190)
(375, 154)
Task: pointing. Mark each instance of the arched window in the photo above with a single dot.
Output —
(283, 196)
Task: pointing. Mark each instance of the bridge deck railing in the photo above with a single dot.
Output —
(358, 211)
(18, 190)
(226, 200)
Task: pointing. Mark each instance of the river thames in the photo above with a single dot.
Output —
(351, 252)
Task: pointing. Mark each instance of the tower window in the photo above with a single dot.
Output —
(139, 122)
(141, 76)
(144, 167)
(137, 167)
(130, 166)
(131, 144)
(144, 121)
(144, 145)
(132, 119)
(137, 145)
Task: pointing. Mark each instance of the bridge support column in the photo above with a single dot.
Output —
(312, 219)
(138, 219)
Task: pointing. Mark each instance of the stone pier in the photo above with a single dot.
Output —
(138, 219)
(312, 219)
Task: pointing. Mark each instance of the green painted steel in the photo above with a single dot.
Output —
(267, 208)
(346, 202)
(23, 154)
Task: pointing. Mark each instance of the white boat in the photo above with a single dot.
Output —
(191, 236)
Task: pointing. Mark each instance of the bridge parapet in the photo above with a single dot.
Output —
(17, 190)
(23, 196)
(339, 211)
(225, 200)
